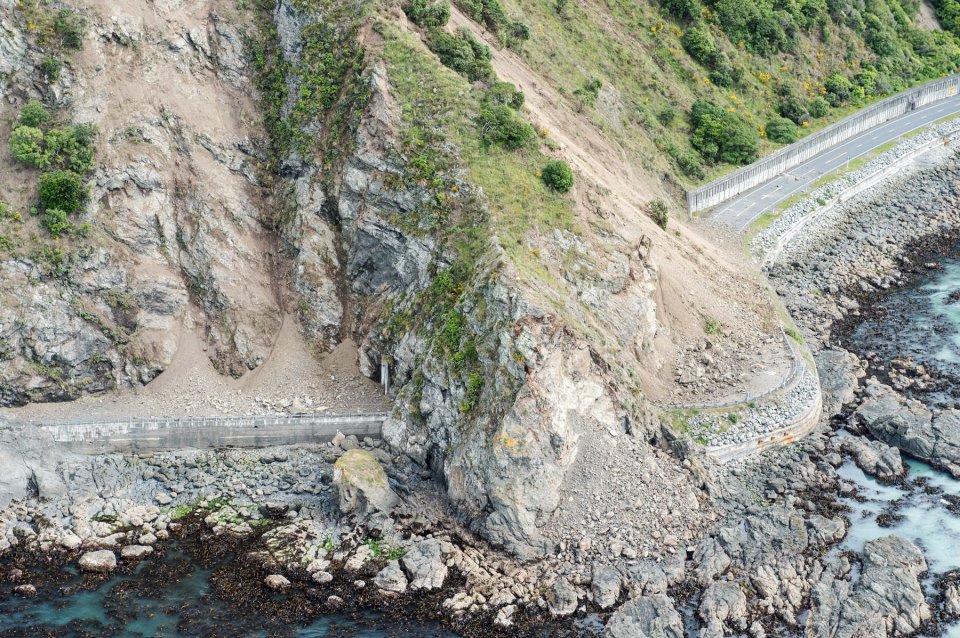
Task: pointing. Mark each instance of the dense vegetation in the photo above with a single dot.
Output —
(64, 154)
(761, 61)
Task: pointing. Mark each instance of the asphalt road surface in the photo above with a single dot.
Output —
(741, 211)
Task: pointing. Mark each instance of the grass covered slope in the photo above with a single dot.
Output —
(761, 61)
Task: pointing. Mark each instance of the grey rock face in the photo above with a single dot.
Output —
(910, 426)
(424, 563)
(887, 600)
(391, 578)
(29, 458)
(875, 458)
(646, 617)
(102, 561)
(838, 370)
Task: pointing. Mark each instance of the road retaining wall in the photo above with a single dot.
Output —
(788, 157)
(155, 434)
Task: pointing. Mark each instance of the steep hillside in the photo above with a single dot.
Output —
(759, 61)
(364, 168)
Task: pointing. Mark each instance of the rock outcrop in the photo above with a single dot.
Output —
(875, 458)
(646, 617)
(886, 600)
(911, 427)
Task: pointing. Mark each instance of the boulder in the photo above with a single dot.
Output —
(652, 577)
(362, 484)
(646, 617)
(391, 578)
(723, 605)
(606, 585)
(276, 582)
(562, 598)
(135, 552)
(102, 561)
(424, 563)
(875, 458)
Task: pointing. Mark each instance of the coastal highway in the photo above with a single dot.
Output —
(742, 210)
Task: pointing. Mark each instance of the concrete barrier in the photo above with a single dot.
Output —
(155, 434)
(793, 431)
(849, 193)
(788, 157)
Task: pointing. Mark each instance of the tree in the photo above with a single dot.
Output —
(502, 126)
(62, 190)
(722, 136)
(781, 130)
(558, 176)
(699, 44)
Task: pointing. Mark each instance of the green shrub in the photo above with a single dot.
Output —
(427, 14)
(558, 176)
(724, 74)
(71, 27)
(682, 9)
(33, 114)
(51, 66)
(689, 164)
(588, 93)
(722, 136)
(502, 126)
(793, 108)
(660, 213)
(667, 116)
(698, 42)
(26, 146)
(818, 107)
(62, 190)
(491, 14)
(71, 148)
(781, 130)
(504, 93)
(55, 221)
(462, 53)
(839, 89)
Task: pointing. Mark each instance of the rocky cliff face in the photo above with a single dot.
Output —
(177, 239)
(202, 221)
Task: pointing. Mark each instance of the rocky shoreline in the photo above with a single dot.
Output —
(353, 525)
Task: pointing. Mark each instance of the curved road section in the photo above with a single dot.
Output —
(741, 211)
